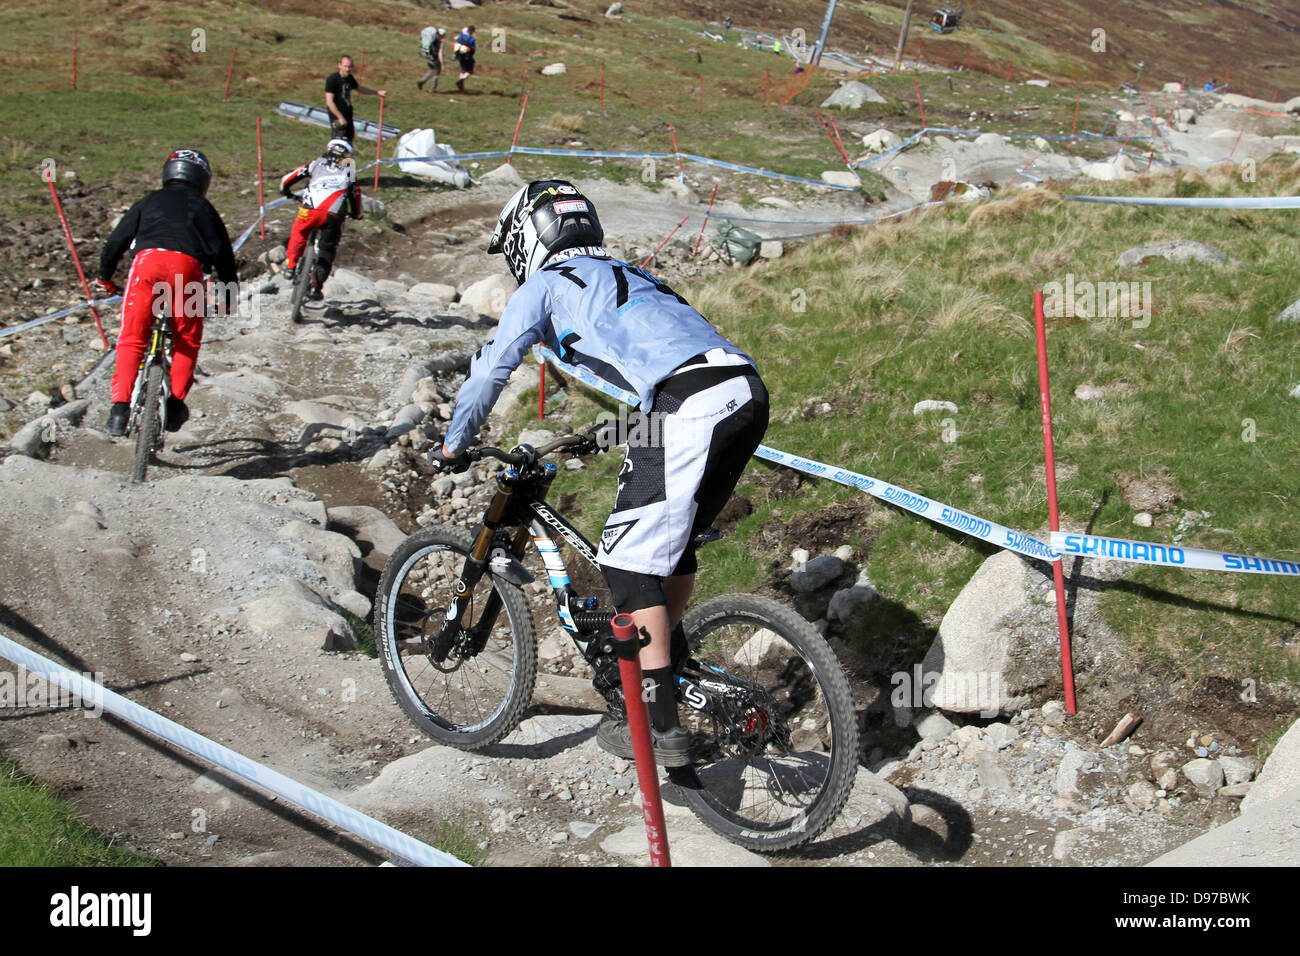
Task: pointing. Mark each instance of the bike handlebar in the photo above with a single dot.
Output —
(519, 459)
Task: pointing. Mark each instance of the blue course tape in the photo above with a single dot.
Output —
(1167, 555)
(955, 518)
(57, 315)
(368, 828)
(763, 172)
(1199, 202)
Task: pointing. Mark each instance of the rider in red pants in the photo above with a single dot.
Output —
(331, 189)
(177, 235)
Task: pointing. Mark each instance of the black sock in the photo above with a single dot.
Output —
(661, 698)
(678, 649)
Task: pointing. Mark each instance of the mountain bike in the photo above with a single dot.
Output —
(153, 386)
(774, 740)
(302, 280)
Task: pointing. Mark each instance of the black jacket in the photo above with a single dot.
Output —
(176, 217)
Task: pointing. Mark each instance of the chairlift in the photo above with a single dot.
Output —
(946, 20)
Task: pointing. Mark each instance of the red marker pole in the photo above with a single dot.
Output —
(261, 193)
(840, 142)
(1058, 573)
(229, 73)
(676, 152)
(665, 242)
(920, 105)
(713, 195)
(625, 646)
(1075, 125)
(76, 260)
(518, 124)
(379, 143)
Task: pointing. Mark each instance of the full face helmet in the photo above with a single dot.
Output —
(337, 150)
(187, 166)
(541, 219)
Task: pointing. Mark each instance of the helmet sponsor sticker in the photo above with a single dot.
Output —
(570, 205)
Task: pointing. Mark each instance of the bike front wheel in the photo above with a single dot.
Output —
(478, 692)
(146, 436)
(302, 282)
(774, 734)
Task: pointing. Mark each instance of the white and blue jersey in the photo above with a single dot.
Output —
(593, 311)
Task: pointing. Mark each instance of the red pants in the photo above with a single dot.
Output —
(167, 281)
(303, 224)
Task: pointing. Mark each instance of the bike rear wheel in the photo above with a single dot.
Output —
(776, 750)
(468, 700)
(302, 282)
(146, 437)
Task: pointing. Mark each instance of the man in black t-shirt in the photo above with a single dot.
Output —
(338, 98)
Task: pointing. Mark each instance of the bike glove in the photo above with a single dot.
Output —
(442, 464)
(107, 286)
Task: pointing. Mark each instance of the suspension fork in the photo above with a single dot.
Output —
(453, 624)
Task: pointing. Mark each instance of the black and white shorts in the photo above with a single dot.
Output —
(703, 428)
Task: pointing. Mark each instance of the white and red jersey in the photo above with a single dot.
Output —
(330, 186)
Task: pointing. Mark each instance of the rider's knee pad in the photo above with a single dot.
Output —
(634, 591)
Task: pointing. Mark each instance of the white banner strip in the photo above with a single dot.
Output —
(1169, 555)
(938, 512)
(368, 828)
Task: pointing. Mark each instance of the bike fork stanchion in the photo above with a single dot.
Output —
(625, 646)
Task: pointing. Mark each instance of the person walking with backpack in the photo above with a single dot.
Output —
(177, 236)
(431, 47)
(463, 49)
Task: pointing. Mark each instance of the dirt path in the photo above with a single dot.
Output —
(167, 589)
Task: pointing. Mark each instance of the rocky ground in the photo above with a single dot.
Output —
(229, 593)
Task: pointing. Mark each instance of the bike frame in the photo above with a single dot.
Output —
(520, 502)
(159, 352)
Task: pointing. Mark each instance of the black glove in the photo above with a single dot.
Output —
(442, 464)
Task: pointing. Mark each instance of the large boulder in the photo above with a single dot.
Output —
(1179, 250)
(1281, 772)
(852, 95)
(489, 296)
(997, 643)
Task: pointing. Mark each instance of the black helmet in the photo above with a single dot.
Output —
(187, 166)
(540, 220)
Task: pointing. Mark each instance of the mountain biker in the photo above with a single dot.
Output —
(332, 185)
(634, 331)
(177, 236)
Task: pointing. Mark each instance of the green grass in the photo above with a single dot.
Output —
(39, 829)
